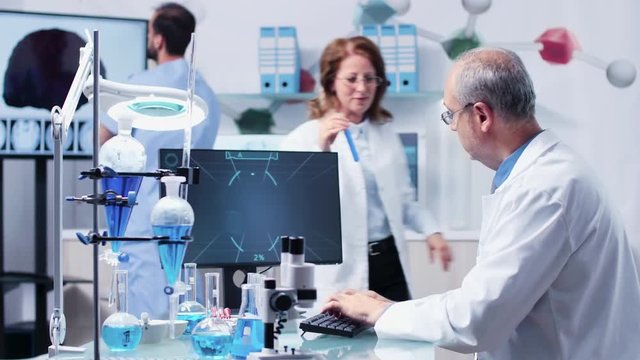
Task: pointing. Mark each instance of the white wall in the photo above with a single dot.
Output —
(576, 100)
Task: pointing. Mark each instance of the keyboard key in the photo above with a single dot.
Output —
(332, 325)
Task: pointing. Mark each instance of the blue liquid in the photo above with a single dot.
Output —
(172, 254)
(117, 215)
(122, 338)
(249, 337)
(193, 320)
(211, 345)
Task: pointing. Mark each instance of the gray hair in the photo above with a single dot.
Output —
(497, 77)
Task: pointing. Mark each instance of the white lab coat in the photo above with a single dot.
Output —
(394, 184)
(554, 279)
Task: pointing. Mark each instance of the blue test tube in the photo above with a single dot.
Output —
(352, 145)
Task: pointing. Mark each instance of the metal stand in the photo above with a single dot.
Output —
(60, 120)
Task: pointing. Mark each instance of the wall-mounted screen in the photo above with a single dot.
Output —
(38, 59)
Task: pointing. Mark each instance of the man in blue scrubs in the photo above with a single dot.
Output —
(169, 34)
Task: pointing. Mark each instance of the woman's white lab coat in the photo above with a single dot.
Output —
(394, 184)
(554, 279)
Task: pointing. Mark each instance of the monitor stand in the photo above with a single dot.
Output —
(232, 278)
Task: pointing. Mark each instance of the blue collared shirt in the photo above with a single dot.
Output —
(507, 165)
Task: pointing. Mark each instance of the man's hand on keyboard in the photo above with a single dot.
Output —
(363, 306)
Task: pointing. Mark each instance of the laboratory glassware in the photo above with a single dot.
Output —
(122, 153)
(249, 333)
(121, 331)
(212, 337)
(190, 309)
(172, 217)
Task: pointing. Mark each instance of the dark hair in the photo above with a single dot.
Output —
(175, 23)
(332, 57)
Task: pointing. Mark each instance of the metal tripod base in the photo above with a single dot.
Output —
(66, 352)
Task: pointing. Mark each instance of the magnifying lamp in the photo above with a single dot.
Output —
(151, 107)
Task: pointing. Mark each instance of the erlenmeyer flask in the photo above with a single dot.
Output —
(249, 333)
(211, 338)
(190, 309)
(121, 331)
(122, 153)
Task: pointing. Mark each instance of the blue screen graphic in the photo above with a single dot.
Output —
(246, 200)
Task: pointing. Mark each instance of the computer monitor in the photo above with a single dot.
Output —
(38, 60)
(245, 200)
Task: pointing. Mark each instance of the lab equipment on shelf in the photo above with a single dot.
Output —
(212, 337)
(121, 331)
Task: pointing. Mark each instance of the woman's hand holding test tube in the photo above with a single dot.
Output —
(330, 126)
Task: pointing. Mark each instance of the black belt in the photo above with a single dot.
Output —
(385, 245)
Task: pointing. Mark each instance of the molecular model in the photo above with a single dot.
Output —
(555, 46)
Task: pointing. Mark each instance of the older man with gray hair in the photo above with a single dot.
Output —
(555, 277)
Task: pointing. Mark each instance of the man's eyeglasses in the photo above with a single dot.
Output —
(368, 80)
(447, 115)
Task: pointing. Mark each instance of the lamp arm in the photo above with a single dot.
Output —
(62, 118)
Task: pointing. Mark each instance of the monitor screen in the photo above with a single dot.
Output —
(38, 60)
(246, 200)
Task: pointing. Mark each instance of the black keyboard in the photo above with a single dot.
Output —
(332, 325)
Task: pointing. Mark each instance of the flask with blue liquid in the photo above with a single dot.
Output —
(191, 310)
(249, 333)
(212, 337)
(121, 331)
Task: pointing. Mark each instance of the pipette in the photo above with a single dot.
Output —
(352, 145)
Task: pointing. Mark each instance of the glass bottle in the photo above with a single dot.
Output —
(172, 216)
(122, 153)
(249, 333)
(190, 309)
(121, 331)
(212, 337)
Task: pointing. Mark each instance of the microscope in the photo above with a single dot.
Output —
(277, 304)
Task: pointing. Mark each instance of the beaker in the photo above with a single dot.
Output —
(190, 310)
(212, 337)
(249, 333)
(121, 331)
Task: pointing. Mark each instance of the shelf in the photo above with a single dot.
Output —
(308, 96)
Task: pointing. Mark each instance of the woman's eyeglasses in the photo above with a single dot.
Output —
(368, 80)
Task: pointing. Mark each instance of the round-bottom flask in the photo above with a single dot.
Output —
(121, 331)
(191, 310)
(212, 337)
